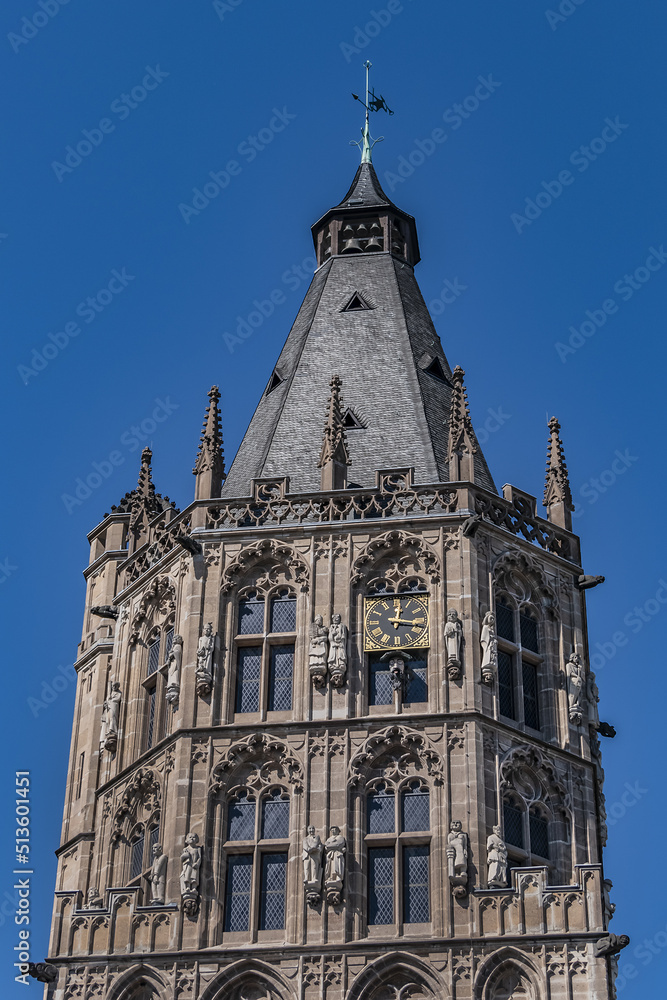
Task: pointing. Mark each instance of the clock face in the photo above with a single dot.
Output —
(396, 622)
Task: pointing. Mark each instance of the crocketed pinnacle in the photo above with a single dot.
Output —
(210, 463)
(557, 484)
(334, 445)
(461, 434)
(144, 503)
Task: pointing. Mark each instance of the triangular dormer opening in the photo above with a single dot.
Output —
(437, 371)
(351, 421)
(274, 382)
(356, 304)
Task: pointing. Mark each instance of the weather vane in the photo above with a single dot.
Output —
(373, 102)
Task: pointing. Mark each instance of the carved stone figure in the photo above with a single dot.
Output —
(93, 900)
(174, 661)
(42, 972)
(204, 670)
(158, 875)
(334, 875)
(489, 644)
(586, 582)
(496, 858)
(191, 865)
(317, 652)
(609, 907)
(397, 673)
(110, 717)
(457, 858)
(576, 679)
(453, 639)
(312, 865)
(610, 944)
(337, 651)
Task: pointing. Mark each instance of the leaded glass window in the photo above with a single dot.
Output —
(275, 817)
(505, 685)
(415, 809)
(137, 858)
(504, 621)
(380, 815)
(416, 688)
(528, 628)
(531, 715)
(415, 885)
(513, 825)
(382, 692)
(168, 642)
(283, 612)
(248, 678)
(154, 838)
(272, 892)
(241, 818)
(280, 678)
(153, 656)
(539, 834)
(237, 892)
(381, 885)
(151, 718)
(251, 615)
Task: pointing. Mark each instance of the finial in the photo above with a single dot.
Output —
(372, 103)
(461, 445)
(210, 463)
(557, 493)
(143, 506)
(334, 456)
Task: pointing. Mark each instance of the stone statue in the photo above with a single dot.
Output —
(609, 907)
(110, 717)
(312, 865)
(576, 680)
(610, 944)
(42, 972)
(317, 652)
(334, 874)
(453, 638)
(489, 643)
(158, 875)
(93, 900)
(457, 858)
(593, 697)
(337, 651)
(496, 858)
(397, 673)
(191, 864)
(204, 671)
(174, 661)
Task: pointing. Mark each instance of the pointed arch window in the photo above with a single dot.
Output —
(256, 874)
(155, 714)
(265, 642)
(519, 663)
(398, 853)
(526, 832)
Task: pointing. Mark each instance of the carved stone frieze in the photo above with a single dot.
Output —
(269, 562)
(395, 752)
(257, 760)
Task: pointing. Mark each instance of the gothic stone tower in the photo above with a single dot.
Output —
(335, 735)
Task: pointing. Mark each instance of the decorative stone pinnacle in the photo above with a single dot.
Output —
(557, 484)
(334, 456)
(143, 498)
(461, 435)
(210, 463)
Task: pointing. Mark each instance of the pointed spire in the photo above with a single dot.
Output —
(143, 499)
(210, 463)
(461, 447)
(334, 456)
(557, 493)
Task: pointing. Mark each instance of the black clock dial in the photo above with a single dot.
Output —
(396, 622)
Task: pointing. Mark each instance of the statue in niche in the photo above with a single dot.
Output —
(593, 697)
(334, 873)
(489, 644)
(204, 670)
(312, 865)
(191, 865)
(317, 652)
(173, 668)
(158, 875)
(337, 651)
(609, 907)
(110, 717)
(93, 900)
(457, 858)
(496, 859)
(576, 679)
(453, 639)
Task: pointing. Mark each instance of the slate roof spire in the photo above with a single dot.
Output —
(334, 456)
(557, 492)
(210, 463)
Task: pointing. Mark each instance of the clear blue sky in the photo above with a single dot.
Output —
(553, 85)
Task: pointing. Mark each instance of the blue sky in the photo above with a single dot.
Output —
(543, 205)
